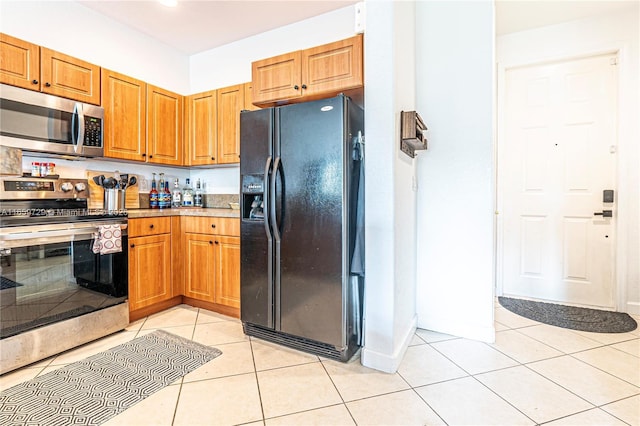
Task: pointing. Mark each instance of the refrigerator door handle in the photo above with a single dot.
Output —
(272, 214)
(267, 229)
(276, 236)
(267, 198)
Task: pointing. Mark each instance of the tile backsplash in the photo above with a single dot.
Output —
(217, 201)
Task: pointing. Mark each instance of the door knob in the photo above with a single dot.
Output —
(604, 213)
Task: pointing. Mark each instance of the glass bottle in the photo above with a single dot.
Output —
(167, 194)
(176, 195)
(197, 196)
(153, 194)
(187, 195)
(161, 198)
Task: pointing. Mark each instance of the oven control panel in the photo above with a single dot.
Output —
(38, 188)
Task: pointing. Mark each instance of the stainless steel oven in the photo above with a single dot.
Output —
(55, 289)
(39, 122)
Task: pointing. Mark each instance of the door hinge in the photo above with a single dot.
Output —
(613, 61)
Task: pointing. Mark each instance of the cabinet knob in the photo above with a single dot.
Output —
(34, 81)
(48, 84)
(151, 226)
(133, 245)
(216, 242)
(213, 158)
(144, 155)
(210, 242)
(296, 87)
(213, 225)
(304, 86)
(151, 156)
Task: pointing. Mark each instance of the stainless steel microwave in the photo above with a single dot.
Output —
(38, 122)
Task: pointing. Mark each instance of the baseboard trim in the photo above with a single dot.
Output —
(389, 363)
(468, 331)
(633, 308)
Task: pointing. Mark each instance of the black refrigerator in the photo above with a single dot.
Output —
(302, 214)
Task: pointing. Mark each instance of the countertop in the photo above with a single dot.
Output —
(184, 211)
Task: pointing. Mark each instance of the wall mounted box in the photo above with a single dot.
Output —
(412, 130)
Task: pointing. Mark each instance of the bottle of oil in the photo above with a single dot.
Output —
(153, 194)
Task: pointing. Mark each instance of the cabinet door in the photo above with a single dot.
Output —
(149, 270)
(228, 271)
(69, 77)
(164, 126)
(19, 63)
(200, 266)
(276, 78)
(333, 67)
(125, 116)
(201, 126)
(230, 103)
(248, 97)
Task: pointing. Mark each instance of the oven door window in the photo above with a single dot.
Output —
(46, 283)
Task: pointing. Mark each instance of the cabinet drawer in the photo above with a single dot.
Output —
(211, 225)
(149, 226)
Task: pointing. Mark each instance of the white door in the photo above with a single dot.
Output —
(556, 159)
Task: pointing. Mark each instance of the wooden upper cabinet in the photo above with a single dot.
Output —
(276, 78)
(164, 126)
(314, 73)
(19, 62)
(333, 67)
(201, 128)
(69, 77)
(248, 97)
(230, 103)
(30, 66)
(125, 116)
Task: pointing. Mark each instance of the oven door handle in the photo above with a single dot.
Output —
(43, 237)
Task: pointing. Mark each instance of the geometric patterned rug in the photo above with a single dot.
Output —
(91, 391)
(572, 317)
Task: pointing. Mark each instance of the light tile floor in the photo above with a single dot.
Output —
(532, 374)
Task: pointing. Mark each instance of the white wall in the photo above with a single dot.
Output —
(231, 64)
(75, 30)
(609, 33)
(455, 231)
(390, 202)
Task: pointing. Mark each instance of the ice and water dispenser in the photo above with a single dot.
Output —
(253, 197)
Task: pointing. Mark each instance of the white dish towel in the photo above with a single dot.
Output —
(108, 239)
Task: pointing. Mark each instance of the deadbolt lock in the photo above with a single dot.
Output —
(604, 213)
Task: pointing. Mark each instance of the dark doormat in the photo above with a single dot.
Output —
(583, 319)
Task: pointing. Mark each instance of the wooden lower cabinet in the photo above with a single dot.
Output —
(212, 263)
(200, 265)
(191, 260)
(149, 270)
(227, 288)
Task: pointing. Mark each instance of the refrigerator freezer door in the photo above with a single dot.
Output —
(256, 248)
(309, 203)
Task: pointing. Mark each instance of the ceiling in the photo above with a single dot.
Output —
(519, 15)
(196, 26)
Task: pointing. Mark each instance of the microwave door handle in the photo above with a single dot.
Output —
(79, 141)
